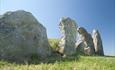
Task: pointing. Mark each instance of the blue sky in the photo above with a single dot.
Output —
(98, 14)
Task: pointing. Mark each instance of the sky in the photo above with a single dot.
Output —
(90, 14)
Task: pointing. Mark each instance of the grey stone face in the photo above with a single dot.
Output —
(97, 42)
(87, 41)
(80, 48)
(68, 28)
(21, 35)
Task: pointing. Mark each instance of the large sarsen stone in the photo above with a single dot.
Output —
(68, 28)
(21, 36)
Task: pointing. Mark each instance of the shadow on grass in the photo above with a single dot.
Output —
(48, 60)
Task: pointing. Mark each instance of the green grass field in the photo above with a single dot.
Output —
(83, 63)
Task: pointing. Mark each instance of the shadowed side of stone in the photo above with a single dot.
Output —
(21, 36)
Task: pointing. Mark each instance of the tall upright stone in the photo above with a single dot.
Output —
(87, 41)
(97, 42)
(68, 28)
(22, 36)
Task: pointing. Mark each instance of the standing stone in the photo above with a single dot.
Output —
(97, 42)
(68, 28)
(22, 36)
(87, 41)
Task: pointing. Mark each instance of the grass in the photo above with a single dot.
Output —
(73, 63)
(53, 43)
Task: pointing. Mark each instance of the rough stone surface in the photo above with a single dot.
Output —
(68, 28)
(22, 36)
(80, 48)
(87, 41)
(97, 42)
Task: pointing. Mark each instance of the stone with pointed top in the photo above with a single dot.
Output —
(97, 42)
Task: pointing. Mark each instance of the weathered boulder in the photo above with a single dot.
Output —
(97, 42)
(87, 42)
(22, 36)
(68, 28)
